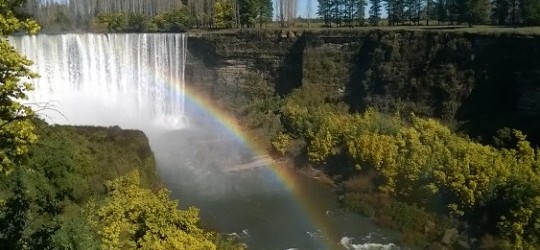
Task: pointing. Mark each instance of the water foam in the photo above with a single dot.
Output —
(348, 243)
(108, 79)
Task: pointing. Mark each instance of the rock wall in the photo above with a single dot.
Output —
(477, 81)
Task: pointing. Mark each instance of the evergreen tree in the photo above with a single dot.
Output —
(360, 10)
(500, 12)
(396, 11)
(265, 11)
(477, 11)
(442, 11)
(324, 12)
(530, 12)
(430, 11)
(375, 12)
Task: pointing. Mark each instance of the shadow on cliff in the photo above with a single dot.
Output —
(356, 89)
(504, 95)
(291, 71)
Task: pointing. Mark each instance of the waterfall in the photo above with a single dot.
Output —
(131, 80)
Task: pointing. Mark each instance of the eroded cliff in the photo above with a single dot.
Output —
(481, 82)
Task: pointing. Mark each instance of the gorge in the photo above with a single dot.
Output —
(137, 81)
(185, 90)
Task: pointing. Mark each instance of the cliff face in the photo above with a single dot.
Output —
(482, 82)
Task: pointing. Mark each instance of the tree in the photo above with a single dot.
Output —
(414, 9)
(308, 10)
(442, 11)
(431, 11)
(360, 10)
(135, 217)
(81, 13)
(530, 12)
(224, 14)
(178, 20)
(248, 12)
(396, 11)
(324, 11)
(264, 11)
(286, 12)
(375, 12)
(500, 11)
(115, 22)
(281, 143)
(16, 129)
(478, 11)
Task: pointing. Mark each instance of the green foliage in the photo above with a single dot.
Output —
(357, 203)
(255, 102)
(59, 200)
(375, 12)
(224, 17)
(530, 11)
(137, 22)
(520, 218)
(177, 20)
(281, 143)
(423, 161)
(62, 170)
(115, 22)
(348, 12)
(264, 11)
(479, 11)
(16, 129)
(135, 217)
(12, 21)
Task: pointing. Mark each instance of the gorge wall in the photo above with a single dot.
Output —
(479, 82)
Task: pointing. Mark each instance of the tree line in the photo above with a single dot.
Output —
(421, 12)
(199, 14)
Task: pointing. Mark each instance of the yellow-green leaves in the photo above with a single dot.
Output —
(10, 23)
(133, 217)
(281, 142)
(16, 131)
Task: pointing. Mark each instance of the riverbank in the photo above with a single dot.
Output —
(336, 102)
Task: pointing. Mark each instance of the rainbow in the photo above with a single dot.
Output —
(306, 204)
(197, 102)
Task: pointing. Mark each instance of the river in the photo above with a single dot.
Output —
(137, 81)
(265, 207)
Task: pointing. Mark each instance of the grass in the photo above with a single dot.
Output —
(319, 29)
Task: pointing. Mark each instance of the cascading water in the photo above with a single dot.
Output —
(137, 81)
(131, 80)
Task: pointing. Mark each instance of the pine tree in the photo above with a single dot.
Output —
(265, 11)
(375, 12)
(478, 11)
(324, 11)
(530, 12)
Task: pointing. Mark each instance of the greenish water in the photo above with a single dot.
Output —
(255, 205)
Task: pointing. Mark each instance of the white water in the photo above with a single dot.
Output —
(347, 242)
(131, 80)
(124, 79)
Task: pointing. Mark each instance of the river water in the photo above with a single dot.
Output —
(137, 81)
(258, 205)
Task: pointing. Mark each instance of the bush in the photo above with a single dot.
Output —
(357, 203)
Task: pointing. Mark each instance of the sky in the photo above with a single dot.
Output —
(302, 10)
